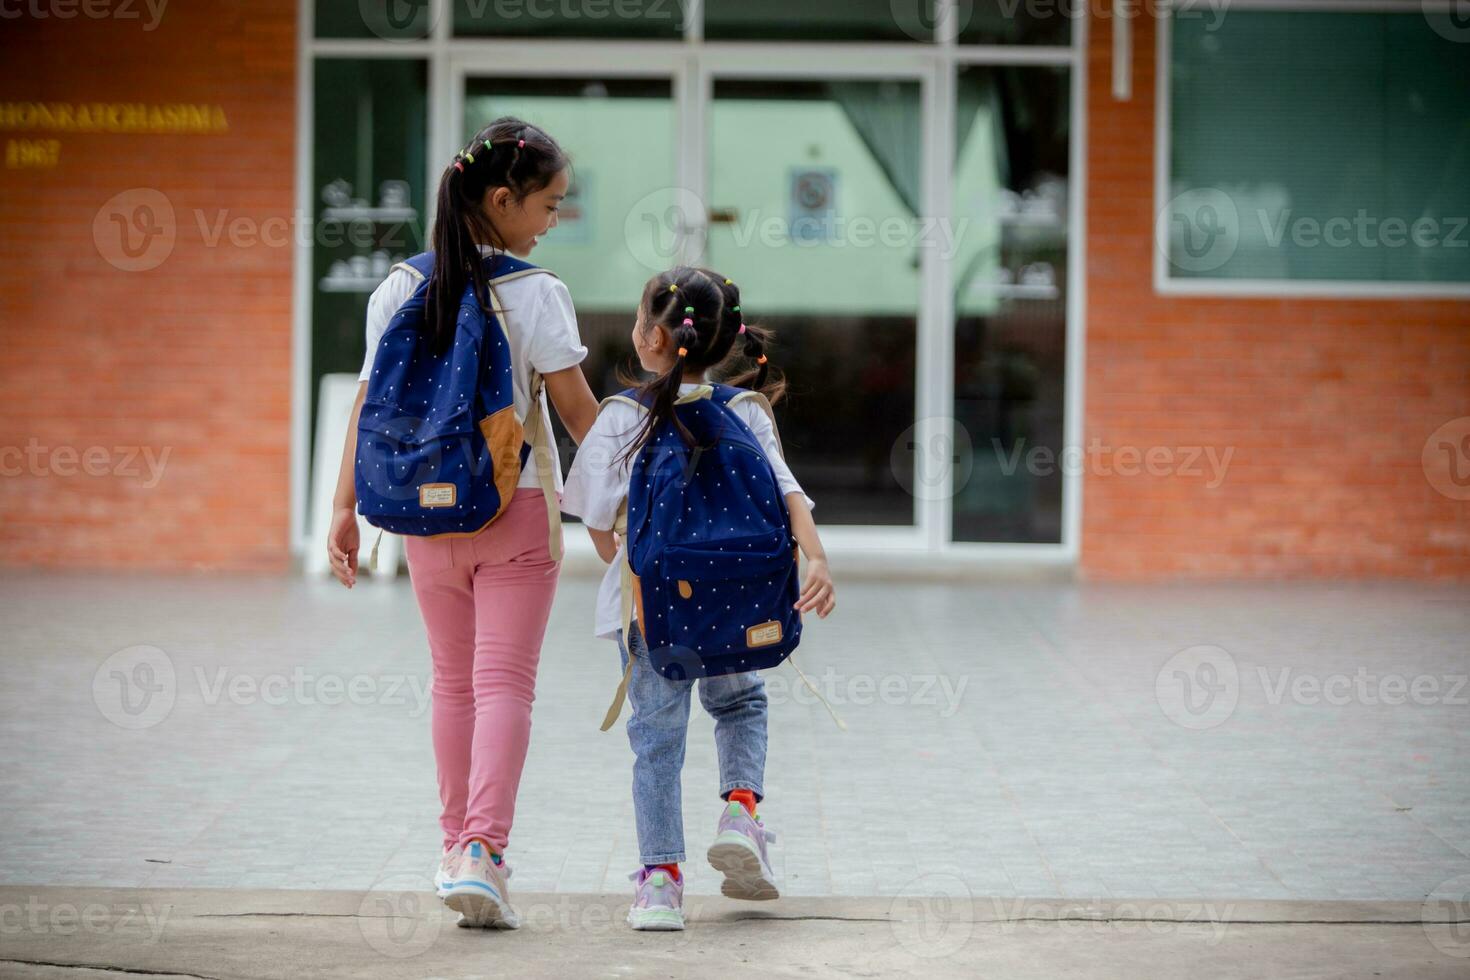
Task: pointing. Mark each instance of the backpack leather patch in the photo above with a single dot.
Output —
(763, 635)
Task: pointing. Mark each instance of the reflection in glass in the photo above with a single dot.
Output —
(1011, 199)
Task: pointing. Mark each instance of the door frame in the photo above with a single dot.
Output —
(692, 65)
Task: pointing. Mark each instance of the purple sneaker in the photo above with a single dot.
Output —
(739, 852)
(658, 901)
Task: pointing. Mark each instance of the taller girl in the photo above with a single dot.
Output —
(485, 596)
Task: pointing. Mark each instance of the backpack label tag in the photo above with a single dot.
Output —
(763, 635)
(437, 495)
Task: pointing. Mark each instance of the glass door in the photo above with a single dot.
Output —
(814, 194)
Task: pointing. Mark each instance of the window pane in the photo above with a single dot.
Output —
(851, 20)
(813, 195)
(570, 18)
(1362, 174)
(593, 120)
(1011, 201)
(368, 175)
(393, 20)
(1017, 21)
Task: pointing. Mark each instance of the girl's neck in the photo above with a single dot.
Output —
(693, 378)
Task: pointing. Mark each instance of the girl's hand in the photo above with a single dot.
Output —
(343, 540)
(818, 593)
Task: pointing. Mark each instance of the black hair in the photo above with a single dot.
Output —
(701, 310)
(507, 153)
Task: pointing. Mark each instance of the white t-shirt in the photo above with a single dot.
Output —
(543, 335)
(598, 484)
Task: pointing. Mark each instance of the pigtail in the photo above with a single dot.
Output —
(755, 340)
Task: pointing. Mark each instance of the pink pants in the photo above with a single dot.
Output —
(485, 601)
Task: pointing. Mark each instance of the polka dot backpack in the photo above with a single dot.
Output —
(440, 448)
(712, 561)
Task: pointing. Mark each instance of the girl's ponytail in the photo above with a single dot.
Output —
(507, 153)
(756, 339)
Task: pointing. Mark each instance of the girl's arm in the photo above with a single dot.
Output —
(573, 401)
(343, 539)
(817, 593)
(606, 543)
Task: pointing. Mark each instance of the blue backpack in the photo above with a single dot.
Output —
(712, 560)
(440, 449)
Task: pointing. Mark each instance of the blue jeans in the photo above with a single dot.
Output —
(657, 730)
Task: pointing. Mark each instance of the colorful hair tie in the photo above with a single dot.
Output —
(459, 166)
(729, 283)
(673, 287)
(683, 351)
(688, 309)
(521, 144)
(688, 322)
(742, 329)
(489, 145)
(761, 359)
(737, 309)
(470, 157)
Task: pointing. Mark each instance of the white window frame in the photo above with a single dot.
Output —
(693, 64)
(1165, 282)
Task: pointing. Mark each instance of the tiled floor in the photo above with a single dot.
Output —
(1029, 740)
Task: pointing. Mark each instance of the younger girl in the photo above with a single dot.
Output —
(485, 597)
(688, 322)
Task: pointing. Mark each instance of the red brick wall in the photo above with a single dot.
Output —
(1327, 403)
(190, 358)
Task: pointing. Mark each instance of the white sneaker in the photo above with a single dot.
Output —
(658, 901)
(478, 891)
(739, 852)
(448, 866)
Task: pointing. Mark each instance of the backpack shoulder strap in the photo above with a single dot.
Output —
(765, 404)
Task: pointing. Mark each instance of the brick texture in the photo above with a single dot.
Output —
(191, 358)
(1326, 403)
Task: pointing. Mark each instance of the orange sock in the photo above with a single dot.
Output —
(672, 869)
(745, 798)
